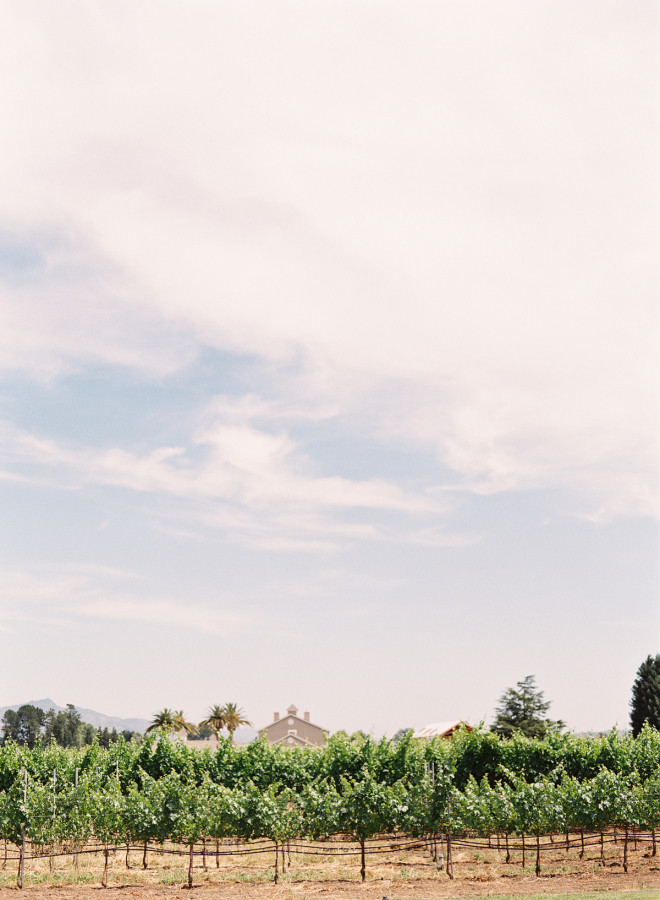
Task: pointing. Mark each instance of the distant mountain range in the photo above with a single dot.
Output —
(97, 719)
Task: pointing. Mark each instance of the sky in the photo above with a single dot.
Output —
(329, 356)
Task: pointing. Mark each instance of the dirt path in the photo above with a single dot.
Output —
(437, 888)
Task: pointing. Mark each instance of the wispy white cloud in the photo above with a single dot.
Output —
(253, 467)
(59, 595)
(205, 619)
(249, 481)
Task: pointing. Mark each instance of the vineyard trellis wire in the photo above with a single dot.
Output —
(342, 846)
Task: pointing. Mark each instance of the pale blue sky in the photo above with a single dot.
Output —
(328, 356)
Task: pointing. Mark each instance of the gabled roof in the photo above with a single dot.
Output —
(294, 739)
(440, 729)
(297, 719)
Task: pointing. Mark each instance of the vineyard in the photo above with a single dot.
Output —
(523, 801)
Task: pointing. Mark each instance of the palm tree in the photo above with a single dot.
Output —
(163, 721)
(234, 716)
(168, 720)
(180, 723)
(215, 720)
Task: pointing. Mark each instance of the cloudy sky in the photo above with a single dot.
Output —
(328, 347)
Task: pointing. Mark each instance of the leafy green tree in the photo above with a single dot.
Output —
(522, 709)
(67, 728)
(89, 734)
(203, 733)
(645, 702)
(105, 737)
(24, 725)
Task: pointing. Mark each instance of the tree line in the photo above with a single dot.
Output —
(31, 726)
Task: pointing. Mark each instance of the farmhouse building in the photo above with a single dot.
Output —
(440, 729)
(292, 731)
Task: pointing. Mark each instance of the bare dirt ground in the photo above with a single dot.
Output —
(400, 876)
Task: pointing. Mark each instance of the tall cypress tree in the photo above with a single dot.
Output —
(645, 702)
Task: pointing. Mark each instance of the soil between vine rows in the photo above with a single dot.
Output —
(403, 876)
(394, 888)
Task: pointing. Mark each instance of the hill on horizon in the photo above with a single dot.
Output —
(97, 719)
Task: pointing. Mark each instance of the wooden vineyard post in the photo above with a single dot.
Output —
(450, 860)
(51, 856)
(438, 858)
(21, 862)
(190, 865)
(538, 855)
(652, 838)
(217, 853)
(75, 852)
(106, 854)
(523, 850)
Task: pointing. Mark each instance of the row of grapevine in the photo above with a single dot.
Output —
(170, 808)
(475, 785)
(475, 755)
